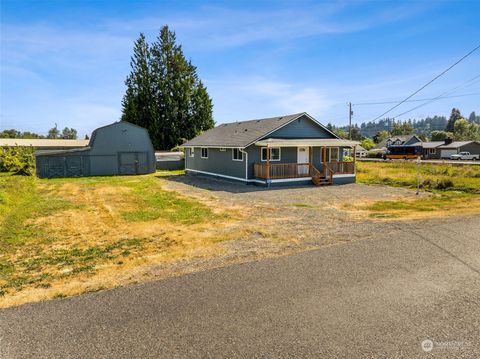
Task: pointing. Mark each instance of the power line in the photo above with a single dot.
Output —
(428, 83)
(419, 100)
(438, 97)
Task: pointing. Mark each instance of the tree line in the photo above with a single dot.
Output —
(54, 133)
(436, 128)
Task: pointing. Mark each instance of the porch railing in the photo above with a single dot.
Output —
(342, 167)
(281, 170)
(299, 170)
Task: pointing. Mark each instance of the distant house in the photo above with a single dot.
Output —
(121, 148)
(450, 147)
(293, 149)
(43, 144)
(360, 152)
(396, 141)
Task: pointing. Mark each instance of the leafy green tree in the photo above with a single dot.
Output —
(380, 136)
(12, 133)
(164, 93)
(441, 135)
(466, 131)
(402, 128)
(454, 116)
(53, 132)
(368, 144)
(69, 134)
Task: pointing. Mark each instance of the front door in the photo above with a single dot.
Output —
(303, 154)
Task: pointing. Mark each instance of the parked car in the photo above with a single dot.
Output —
(464, 156)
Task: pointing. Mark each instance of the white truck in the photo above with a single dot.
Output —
(464, 156)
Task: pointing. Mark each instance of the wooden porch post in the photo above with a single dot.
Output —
(268, 163)
(325, 161)
(310, 160)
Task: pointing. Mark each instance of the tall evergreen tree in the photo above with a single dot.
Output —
(164, 93)
(454, 116)
(138, 101)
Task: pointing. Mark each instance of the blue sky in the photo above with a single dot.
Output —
(65, 62)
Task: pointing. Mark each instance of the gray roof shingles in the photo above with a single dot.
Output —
(240, 134)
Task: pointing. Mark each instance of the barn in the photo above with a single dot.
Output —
(120, 148)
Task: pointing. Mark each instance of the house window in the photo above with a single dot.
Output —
(237, 155)
(432, 151)
(204, 152)
(222, 149)
(191, 152)
(274, 153)
(334, 155)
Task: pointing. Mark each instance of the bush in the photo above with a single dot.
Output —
(444, 184)
(19, 160)
(347, 158)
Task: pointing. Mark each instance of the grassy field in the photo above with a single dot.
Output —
(453, 189)
(56, 235)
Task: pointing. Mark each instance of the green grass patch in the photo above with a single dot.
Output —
(433, 177)
(21, 201)
(303, 205)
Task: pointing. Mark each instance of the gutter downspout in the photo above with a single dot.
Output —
(246, 163)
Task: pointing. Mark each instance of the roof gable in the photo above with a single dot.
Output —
(243, 134)
(302, 127)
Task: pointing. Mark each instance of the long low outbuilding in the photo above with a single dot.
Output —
(43, 144)
(120, 148)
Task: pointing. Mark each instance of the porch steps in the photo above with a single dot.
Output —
(321, 181)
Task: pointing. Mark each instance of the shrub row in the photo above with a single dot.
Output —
(19, 160)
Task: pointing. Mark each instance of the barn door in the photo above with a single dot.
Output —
(74, 166)
(133, 163)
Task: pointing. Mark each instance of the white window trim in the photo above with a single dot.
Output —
(432, 151)
(239, 152)
(222, 149)
(279, 154)
(191, 152)
(201, 152)
(330, 154)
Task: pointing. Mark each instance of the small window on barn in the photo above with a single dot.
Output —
(191, 152)
(274, 153)
(222, 149)
(237, 155)
(204, 152)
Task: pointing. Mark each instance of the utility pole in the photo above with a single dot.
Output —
(350, 114)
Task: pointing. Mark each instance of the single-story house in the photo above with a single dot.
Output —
(120, 148)
(43, 144)
(396, 141)
(293, 149)
(453, 147)
(429, 149)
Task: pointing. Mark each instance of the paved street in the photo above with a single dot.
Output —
(376, 297)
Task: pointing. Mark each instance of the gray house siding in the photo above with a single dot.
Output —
(117, 149)
(302, 127)
(218, 162)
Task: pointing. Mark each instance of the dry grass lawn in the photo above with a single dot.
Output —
(69, 236)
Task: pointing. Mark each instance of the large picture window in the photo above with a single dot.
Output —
(274, 153)
(237, 155)
(204, 152)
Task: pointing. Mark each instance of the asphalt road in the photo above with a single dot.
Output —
(376, 297)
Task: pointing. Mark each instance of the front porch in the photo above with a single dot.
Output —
(318, 160)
